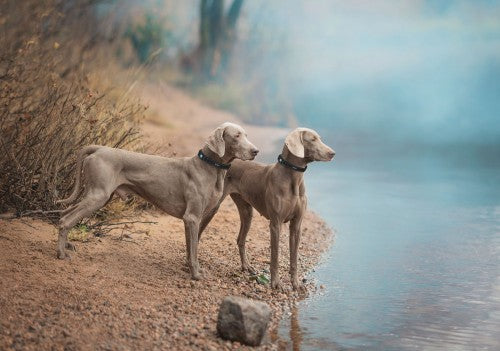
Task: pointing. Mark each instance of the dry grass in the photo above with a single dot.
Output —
(48, 108)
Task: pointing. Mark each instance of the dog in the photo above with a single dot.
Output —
(187, 188)
(278, 193)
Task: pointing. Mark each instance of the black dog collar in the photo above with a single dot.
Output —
(208, 160)
(289, 165)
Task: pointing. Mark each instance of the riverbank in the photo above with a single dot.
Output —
(133, 291)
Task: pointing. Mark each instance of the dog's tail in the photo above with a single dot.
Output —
(79, 163)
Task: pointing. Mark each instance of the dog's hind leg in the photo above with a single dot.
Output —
(88, 205)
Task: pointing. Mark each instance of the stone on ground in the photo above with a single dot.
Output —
(244, 320)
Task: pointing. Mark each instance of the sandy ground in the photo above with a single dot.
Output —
(133, 292)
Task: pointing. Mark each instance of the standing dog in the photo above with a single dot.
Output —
(278, 193)
(187, 188)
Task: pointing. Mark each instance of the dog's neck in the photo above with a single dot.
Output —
(291, 158)
(294, 177)
(210, 154)
(219, 172)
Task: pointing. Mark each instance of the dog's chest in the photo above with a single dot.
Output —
(213, 199)
(289, 206)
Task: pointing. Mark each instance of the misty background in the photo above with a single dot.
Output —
(426, 71)
(414, 72)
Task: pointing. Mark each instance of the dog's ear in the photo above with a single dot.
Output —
(215, 141)
(294, 143)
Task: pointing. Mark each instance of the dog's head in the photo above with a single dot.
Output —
(306, 143)
(230, 141)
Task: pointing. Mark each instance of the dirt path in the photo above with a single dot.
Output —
(134, 292)
(179, 120)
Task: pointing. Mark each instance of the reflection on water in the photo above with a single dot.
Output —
(295, 331)
(416, 262)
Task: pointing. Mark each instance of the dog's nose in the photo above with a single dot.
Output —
(254, 152)
(331, 153)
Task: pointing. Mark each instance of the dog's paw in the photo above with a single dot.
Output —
(71, 246)
(299, 287)
(278, 286)
(248, 268)
(196, 276)
(63, 255)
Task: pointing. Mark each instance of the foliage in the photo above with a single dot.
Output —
(48, 111)
(79, 233)
(147, 37)
(261, 278)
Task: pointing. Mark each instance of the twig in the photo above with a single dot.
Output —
(104, 224)
(27, 213)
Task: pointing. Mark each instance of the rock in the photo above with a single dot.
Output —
(243, 320)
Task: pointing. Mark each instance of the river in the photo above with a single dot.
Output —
(416, 259)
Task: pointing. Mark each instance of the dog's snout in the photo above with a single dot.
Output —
(331, 153)
(254, 152)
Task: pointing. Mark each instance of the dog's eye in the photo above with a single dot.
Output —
(238, 135)
(314, 139)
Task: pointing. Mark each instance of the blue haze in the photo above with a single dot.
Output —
(408, 94)
(412, 71)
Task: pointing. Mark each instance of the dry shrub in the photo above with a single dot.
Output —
(48, 111)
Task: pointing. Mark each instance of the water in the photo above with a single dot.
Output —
(416, 261)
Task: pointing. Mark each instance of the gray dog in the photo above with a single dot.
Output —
(188, 188)
(278, 193)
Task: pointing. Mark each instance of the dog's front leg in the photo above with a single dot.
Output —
(295, 231)
(191, 226)
(207, 218)
(275, 228)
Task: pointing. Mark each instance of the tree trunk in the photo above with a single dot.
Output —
(230, 32)
(211, 29)
(234, 13)
(217, 36)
